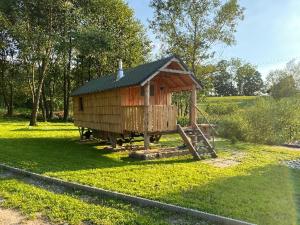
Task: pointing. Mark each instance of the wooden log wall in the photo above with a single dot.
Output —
(101, 111)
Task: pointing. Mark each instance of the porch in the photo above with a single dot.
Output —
(161, 118)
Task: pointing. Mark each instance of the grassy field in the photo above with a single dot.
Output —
(60, 208)
(231, 99)
(255, 186)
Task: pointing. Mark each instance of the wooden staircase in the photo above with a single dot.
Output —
(196, 141)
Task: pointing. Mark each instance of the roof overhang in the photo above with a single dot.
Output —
(182, 71)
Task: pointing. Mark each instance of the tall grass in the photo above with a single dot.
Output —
(268, 121)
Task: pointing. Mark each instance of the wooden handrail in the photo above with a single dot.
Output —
(211, 148)
(209, 124)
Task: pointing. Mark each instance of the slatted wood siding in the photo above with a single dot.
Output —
(122, 110)
(101, 111)
(131, 96)
(161, 118)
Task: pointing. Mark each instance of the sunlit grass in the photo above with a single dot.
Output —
(257, 189)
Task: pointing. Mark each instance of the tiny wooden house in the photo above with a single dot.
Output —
(136, 100)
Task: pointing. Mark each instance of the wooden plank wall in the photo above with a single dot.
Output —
(101, 111)
(132, 118)
(161, 118)
(131, 96)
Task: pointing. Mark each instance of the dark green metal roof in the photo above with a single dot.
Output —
(133, 76)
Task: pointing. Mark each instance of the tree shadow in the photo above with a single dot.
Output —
(262, 195)
(43, 155)
(44, 129)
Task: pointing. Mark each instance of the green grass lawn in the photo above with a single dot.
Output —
(259, 189)
(70, 208)
(240, 101)
(231, 99)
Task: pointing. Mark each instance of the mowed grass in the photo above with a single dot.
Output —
(71, 209)
(240, 101)
(259, 189)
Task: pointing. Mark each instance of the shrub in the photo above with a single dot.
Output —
(183, 121)
(221, 108)
(232, 127)
(268, 122)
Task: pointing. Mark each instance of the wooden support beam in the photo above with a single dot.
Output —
(146, 114)
(174, 71)
(193, 112)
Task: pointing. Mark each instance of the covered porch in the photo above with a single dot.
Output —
(148, 108)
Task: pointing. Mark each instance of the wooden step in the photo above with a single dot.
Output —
(187, 141)
(207, 143)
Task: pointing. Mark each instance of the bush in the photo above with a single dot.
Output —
(232, 127)
(221, 108)
(183, 121)
(268, 122)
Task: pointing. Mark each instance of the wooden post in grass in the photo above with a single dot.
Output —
(146, 114)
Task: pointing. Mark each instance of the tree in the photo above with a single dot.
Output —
(235, 77)
(59, 44)
(286, 87)
(223, 79)
(191, 28)
(8, 67)
(248, 80)
(285, 82)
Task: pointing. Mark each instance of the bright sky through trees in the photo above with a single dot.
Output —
(268, 37)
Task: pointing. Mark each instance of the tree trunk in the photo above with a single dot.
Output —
(10, 105)
(42, 106)
(51, 93)
(67, 83)
(37, 96)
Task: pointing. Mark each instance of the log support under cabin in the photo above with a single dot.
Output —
(146, 114)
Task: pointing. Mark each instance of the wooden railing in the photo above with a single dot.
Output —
(206, 120)
(161, 118)
(211, 127)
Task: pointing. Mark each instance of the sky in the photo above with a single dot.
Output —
(268, 37)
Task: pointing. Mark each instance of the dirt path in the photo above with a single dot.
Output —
(13, 217)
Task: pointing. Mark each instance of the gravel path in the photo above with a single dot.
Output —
(13, 217)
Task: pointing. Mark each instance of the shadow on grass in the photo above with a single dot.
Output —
(263, 196)
(43, 129)
(64, 154)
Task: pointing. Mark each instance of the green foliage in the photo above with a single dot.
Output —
(190, 29)
(286, 87)
(221, 109)
(235, 77)
(267, 121)
(232, 128)
(285, 82)
(183, 121)
(53, 149)
(59, 45)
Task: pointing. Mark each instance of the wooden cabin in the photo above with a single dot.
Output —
(135, 101)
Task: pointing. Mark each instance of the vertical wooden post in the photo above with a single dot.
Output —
(146, 114)
(193, 112)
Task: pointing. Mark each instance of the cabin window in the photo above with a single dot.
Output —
(151, 90)
(80, 104)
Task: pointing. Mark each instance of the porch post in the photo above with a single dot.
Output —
(193, 112)
(146, 114)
